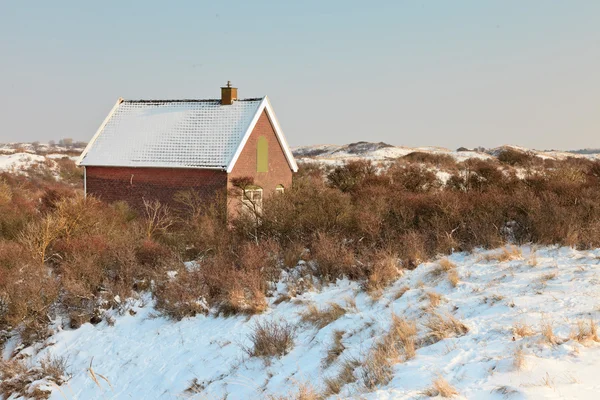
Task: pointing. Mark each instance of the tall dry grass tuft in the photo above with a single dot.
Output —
(398, 345)
(584, 332)
(440, 387)
(336, 349)
(441, 327)
(518, 358)
(334, 384)
(547, 332)
(320, 318)
(522, 329)
(505, 254)
(383, 270)
(300, 391)
(271, 339)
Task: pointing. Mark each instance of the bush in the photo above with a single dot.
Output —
(182, 296)
(334, 258)
(516, 157)
(271, 339)
(438, 160)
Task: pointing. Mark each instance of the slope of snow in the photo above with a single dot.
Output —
(18, 162)
(381, 152)
(144, 355)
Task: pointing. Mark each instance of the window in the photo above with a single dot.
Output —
(252, 199)
(262, 155)
(279, 189)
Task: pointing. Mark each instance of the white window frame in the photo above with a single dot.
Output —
(252, 199)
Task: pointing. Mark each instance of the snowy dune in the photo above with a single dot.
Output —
(143, 355)
(18, 162)
(381, 152)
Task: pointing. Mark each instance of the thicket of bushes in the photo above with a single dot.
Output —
(64, 255)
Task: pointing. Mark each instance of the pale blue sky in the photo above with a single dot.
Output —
(436, 73)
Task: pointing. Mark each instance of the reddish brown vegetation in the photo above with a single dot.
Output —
(60, 253)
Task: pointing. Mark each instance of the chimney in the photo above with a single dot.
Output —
(228, 94)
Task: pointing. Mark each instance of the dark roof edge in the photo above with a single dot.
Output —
(188, 100)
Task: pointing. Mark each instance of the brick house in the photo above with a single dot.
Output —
(153, 149)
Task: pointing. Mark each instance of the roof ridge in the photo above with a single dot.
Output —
(186, 100)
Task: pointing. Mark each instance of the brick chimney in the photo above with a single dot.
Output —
(228, 94)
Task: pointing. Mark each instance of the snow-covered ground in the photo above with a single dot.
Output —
(18, 162)
(145, 356)
(381, 152)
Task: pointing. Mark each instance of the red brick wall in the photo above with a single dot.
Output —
(135, 184)
(279, 172)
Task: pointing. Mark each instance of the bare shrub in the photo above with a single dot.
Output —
(440, 387)
(438, 160)
(183, 296)
(320, 318)
(334, 258)
(414, 178)
(515, 157)
(158, 218)
(383, 270)
(348, 176)
(292, 254)
(441, 327)
(271, 339)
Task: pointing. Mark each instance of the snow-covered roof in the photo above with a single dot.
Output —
(178, 134)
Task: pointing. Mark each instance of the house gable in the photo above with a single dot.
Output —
(265, 108)
(263, 138)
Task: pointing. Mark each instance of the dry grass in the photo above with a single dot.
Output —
(506, 254)
(446, 265)
(548, 333)
(398, 345)
(440, 387)
(522, 329)
(16, 378)
(271, 339)
(302, 391)
(533, 261)
(434, 299)
(382, 272)
(547, 277)
(334, 385)
(320, 318)
(453, 277)
(441, 327)
(292, 254)
(336, 349)
(400, 292)
(518, 358)
(585, 332)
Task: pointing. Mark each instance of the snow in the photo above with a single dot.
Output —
(144, 355)
(165, 133)
(381, 152)
(19, 161)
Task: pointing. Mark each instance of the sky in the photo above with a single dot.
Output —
(413, 73)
